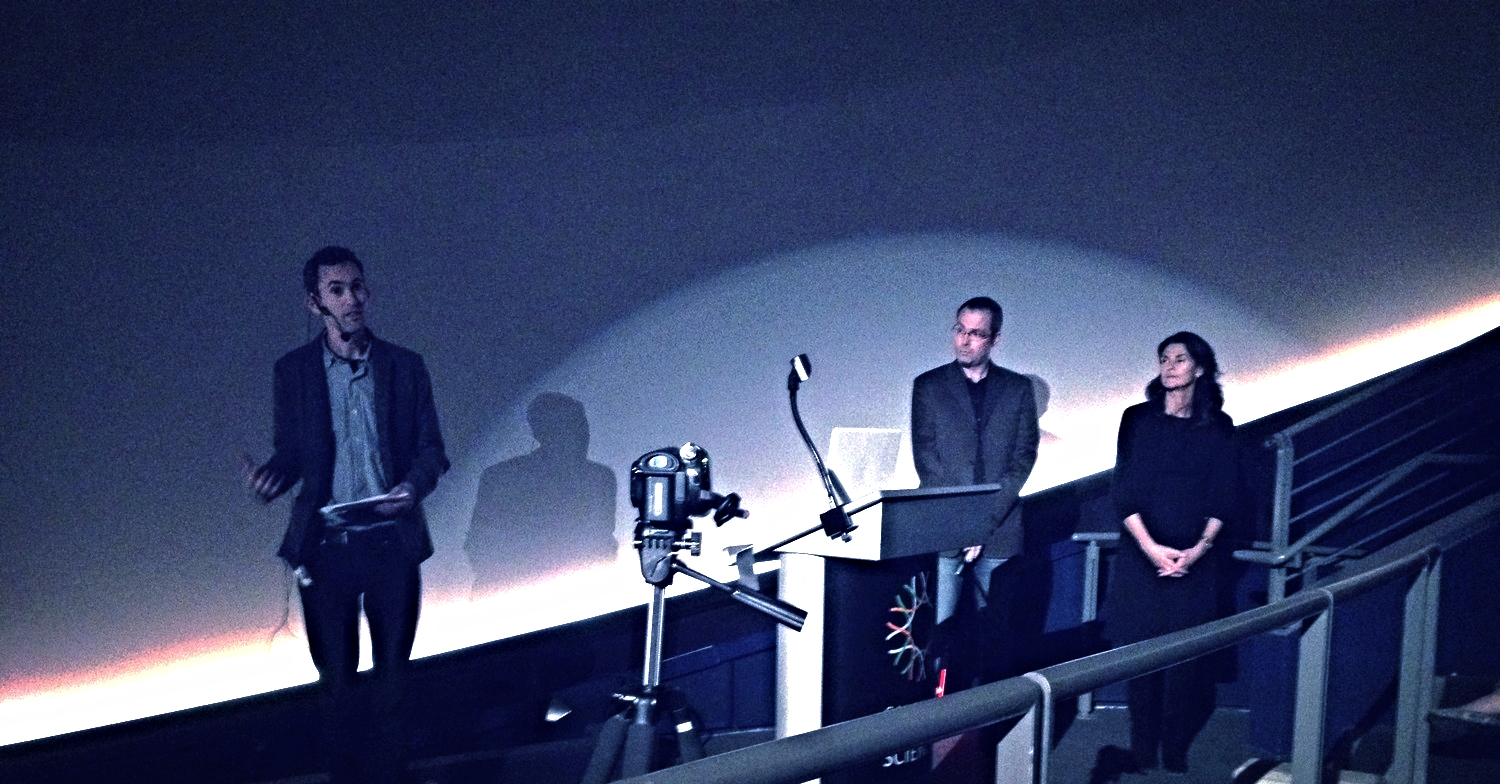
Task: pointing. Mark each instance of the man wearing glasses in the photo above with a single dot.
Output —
(974, 422)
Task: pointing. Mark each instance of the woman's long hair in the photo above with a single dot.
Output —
(1208, 396)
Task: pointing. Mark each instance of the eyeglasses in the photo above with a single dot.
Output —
(964, 334)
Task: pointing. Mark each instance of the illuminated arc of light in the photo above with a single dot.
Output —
(29, 712)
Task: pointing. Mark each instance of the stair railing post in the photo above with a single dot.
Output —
(1418, 664)
(1312, 694)
(1281, 514)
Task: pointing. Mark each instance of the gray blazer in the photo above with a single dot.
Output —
(410, 442)
(944, 442)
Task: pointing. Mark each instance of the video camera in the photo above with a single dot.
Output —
(669, 487)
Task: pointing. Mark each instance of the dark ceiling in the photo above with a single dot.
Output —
(403, 71)
(1325, 139)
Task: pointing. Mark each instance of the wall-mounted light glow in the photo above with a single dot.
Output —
(1084, 324)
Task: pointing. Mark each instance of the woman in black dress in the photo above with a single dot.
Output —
(1173, 488)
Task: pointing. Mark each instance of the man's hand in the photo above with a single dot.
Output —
(406, 498)
(263, 481)
(971, 554)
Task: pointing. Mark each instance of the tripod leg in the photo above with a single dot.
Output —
(689, 745)
(607, 748)
(640, 745)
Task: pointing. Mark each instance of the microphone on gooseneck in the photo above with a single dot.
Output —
(801, 371)
(836, 522)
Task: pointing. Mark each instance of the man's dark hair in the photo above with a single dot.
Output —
(331, 256)
(987, 305)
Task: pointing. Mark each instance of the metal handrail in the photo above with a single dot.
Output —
(808, 755)
(1393, 379)
(1033, 696)
(1387, 416)
(1285, 557)
(1391, 445)
(1353, 508)
(1352, 491)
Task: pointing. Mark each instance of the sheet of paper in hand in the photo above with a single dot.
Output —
(356, 513)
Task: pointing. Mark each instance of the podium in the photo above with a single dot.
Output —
(871, 603)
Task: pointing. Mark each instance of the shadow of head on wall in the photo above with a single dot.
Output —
(546, 512)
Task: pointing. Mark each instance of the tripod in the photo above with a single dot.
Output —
(633, 730)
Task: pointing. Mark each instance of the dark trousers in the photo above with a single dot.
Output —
(993, 639)
(1167, 709)
(362, 721)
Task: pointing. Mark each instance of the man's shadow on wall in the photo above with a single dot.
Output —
(546, 512)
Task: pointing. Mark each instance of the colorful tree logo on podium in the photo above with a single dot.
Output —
(909, 656)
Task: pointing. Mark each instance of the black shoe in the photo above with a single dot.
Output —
(1174, 763)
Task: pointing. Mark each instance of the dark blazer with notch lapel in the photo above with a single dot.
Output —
(410, 443)
(944, 442)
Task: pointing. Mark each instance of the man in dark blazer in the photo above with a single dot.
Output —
(974, 422)
(355, 422)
